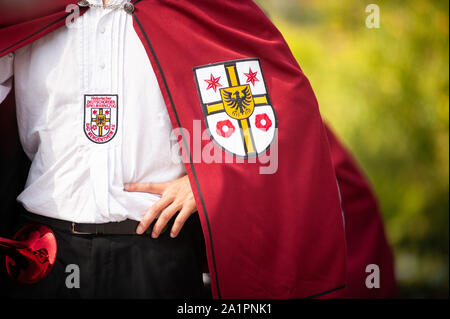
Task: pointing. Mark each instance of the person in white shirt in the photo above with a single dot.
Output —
(116, 177)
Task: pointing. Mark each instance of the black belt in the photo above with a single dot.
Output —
(127, 227)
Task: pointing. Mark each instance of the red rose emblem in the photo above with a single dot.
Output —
(225, 128)
(263, 122)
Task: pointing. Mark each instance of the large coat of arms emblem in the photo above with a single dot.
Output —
(237, 107)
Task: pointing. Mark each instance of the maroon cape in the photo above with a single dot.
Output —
(366, 239)
(267, 236)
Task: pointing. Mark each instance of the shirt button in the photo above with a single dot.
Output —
(102, 65)
(102, 30)
(11, 55)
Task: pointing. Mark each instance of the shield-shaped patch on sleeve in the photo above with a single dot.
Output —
(236, 105)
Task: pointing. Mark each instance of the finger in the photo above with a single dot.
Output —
(153, 188)
(151, 214)
(179, 222)
(162, 221)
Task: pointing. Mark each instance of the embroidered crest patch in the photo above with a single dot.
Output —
(236, 106)
(100, 117)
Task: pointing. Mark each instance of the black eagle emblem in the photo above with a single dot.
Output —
(240, 102)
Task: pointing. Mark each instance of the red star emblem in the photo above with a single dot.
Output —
(251, 77)
(94, 112)
(107, 112)
(213, 83)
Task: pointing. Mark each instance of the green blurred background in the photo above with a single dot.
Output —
(385, 92)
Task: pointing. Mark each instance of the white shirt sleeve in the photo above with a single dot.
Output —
(6, 73)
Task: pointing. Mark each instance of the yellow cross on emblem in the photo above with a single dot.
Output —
(100, 120)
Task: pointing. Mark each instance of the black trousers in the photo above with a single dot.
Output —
(128, 266)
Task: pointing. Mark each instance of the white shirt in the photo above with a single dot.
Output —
(72, 177)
